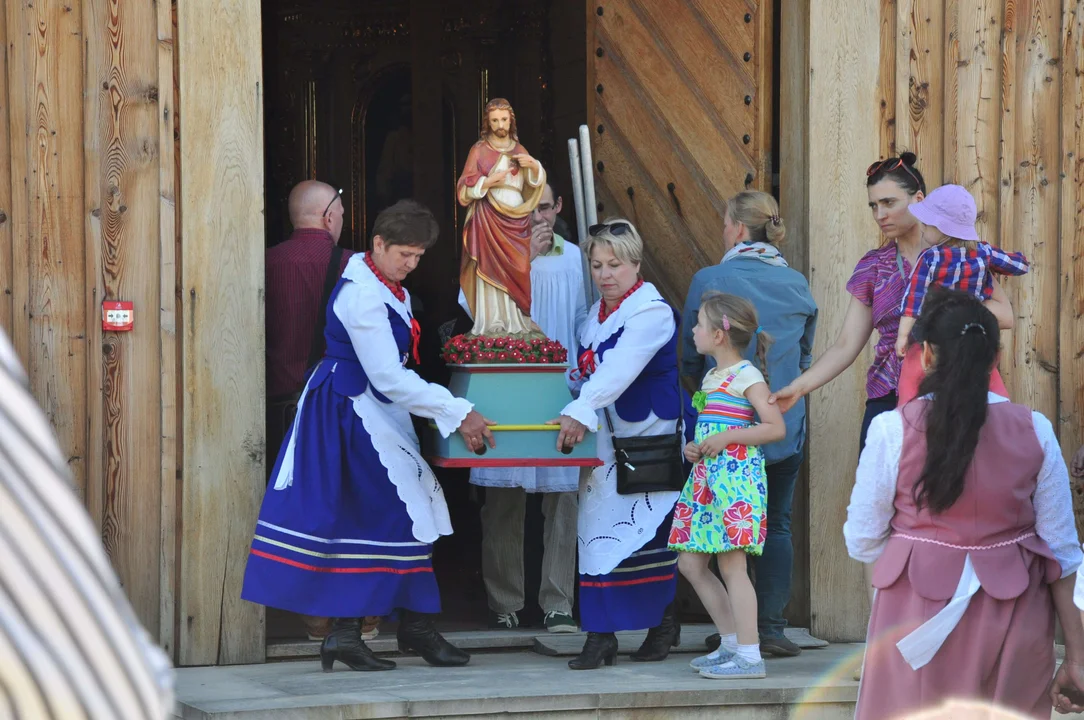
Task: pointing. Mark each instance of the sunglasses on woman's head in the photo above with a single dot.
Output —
(617, 228)
(889, 165)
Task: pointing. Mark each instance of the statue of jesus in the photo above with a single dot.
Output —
(501, 184)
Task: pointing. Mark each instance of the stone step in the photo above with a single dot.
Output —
(546, 643)
(517, 682)
(692, 641)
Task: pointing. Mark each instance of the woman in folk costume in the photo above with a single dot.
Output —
(347, 529)
(628, 371)
(962, 502)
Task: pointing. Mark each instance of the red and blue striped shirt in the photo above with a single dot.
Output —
(967, 268)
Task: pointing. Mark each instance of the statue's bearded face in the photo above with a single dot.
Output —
(500, 123)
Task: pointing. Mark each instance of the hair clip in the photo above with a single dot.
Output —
(972, 326)
(759, 330)
(726, 323)
(774, 219)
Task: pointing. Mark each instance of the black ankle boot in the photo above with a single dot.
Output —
(416, 633)
(659, 640)
(599, 648)
(344, 644)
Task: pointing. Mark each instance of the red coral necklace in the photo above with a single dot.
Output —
(603, 313)
(396, 288)
(400, 294)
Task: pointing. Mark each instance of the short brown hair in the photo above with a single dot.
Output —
(407, 222)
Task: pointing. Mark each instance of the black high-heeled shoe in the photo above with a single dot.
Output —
(417, 634)
(344, 644)
(660, 639)
(600, 648)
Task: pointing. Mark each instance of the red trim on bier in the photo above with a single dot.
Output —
(511, 462)
(525, 368)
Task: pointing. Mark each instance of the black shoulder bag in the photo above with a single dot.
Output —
(649, 463)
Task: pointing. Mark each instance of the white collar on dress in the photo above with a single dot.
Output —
(357, 271)
(594, 333)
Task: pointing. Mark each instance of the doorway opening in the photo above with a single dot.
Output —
(383, 99)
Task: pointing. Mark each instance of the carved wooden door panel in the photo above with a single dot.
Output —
(679, 101)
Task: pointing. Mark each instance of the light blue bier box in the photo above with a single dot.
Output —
(520, 398)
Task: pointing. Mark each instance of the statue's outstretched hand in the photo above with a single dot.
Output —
(495, 179)
(526, 161)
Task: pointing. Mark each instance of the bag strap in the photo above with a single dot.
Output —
(680, 415)
(330, 278)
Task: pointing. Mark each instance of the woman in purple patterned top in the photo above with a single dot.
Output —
(877, 289)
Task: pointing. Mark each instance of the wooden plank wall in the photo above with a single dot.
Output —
(80, 222)
(221, 205)
(990, 95)
(843, 119)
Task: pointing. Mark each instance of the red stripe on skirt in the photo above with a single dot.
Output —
(313, 568)
(638, 581)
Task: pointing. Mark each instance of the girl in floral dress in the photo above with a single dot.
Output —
(721, 511)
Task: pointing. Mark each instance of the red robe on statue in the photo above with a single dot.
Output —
(497, 236)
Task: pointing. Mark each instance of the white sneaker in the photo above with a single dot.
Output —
(717, 657)
(737, 668)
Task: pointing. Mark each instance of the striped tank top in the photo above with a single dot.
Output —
(721, 407)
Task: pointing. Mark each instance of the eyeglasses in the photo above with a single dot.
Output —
(333, 199)
(888, 165)
(615, 229)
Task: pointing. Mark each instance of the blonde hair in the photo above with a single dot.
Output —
(759, 212)
(626, 247)
(737, 317)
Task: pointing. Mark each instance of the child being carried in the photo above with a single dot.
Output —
(955, 259)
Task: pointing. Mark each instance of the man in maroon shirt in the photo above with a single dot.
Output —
(297, 271)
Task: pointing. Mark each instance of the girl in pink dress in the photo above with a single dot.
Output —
(962, 502)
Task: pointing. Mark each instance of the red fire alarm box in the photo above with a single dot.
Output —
(118, 316)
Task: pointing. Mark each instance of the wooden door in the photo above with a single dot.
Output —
(679, 99)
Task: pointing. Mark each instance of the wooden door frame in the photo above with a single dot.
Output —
(220, 210)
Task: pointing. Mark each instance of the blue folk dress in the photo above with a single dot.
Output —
(347, 528)
(628, 576)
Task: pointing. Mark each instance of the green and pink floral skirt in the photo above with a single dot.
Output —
(723, 505)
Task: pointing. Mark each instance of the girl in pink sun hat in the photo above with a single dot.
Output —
(955, 259)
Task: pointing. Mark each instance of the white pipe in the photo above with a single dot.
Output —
(588, 165)
(590, 292)
(577, 188)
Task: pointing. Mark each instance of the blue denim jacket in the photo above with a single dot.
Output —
(787, 313)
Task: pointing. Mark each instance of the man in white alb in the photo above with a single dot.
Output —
(559, 307)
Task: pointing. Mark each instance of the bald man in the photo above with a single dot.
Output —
(297, 271)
